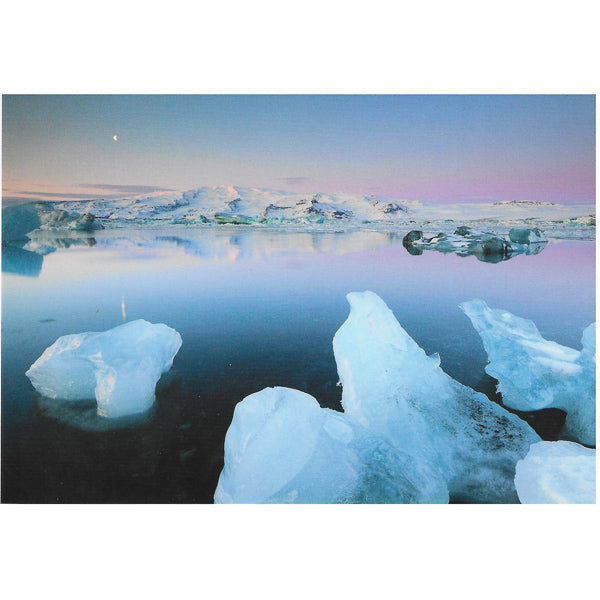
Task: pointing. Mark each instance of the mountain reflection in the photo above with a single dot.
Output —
(219, 246)
(25, 258)
(17, 261)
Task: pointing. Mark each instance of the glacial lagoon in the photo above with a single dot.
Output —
(255, 308)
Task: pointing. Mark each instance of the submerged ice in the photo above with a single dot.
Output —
(119, 367)
(409, 432)
(557, 473)
(535, 373)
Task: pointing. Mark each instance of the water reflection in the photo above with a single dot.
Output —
(255, 308)
(213, 244)
(25, 257)
(22, 262)
(227, 245)
(83, 414)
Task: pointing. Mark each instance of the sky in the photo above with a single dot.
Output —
(429, 148)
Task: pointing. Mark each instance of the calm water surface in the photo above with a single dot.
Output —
(255, 308)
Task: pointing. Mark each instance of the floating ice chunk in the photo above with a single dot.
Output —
(487, 247)
(282, 447)
(119, 367)
(534, 373)
(557, 473)
(393, 389)
(527, 236)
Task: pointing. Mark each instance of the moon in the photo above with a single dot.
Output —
(115, 137)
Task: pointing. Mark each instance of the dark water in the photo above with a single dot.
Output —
(255, 309)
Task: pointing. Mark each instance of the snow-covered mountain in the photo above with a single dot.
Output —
(256, 205)
(250, 206)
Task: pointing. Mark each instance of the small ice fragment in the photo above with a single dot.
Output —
(557, 473)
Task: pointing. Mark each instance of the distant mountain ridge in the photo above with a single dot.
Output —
(524, 203)
(258, 205)
(233, 205)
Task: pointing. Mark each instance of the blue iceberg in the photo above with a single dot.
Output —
(408, 433)
(535, 373)
(119, 367)
(282, 447)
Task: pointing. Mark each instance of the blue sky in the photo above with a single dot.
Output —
(429, 148)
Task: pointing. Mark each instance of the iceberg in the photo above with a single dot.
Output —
(527, 235)
(557, 473)
(19, 221)
(408, 433)
(282, 447)
(487, 247)
(119, 367)
(535, 373)
(63, 221)
(391, 387)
